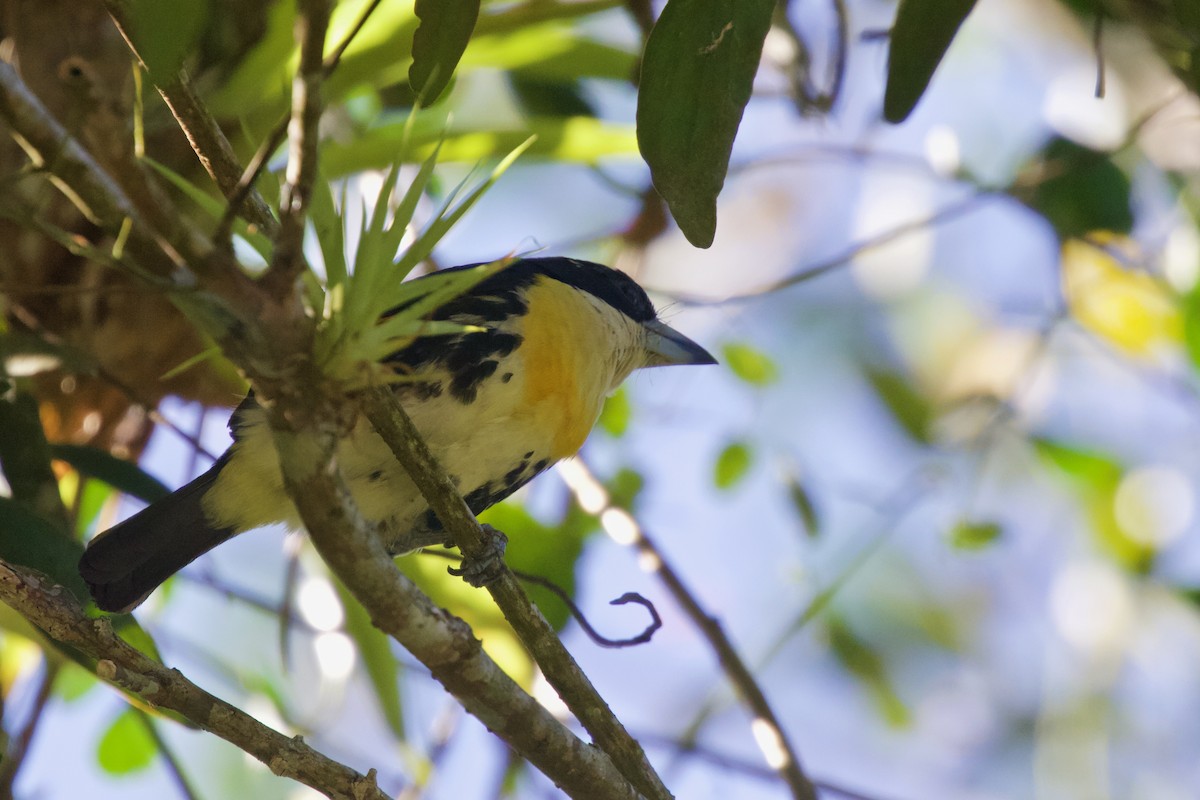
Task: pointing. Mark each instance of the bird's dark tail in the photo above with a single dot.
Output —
(123, 565)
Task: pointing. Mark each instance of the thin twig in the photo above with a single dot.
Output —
(287, 262)
(18, 745)
(169, 758)
(354, 551)
(275, 136)
(57, 613)
(572, 684)
(202, 131)
(620, 524)
(577, 613)
(949, 212)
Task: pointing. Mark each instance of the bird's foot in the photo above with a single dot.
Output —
(485, 568)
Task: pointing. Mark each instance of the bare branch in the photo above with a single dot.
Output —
(560, 669)
(444, 643)
(18, 747)
(768, 730)
(202, 131)
(303, 138)
(57, 613)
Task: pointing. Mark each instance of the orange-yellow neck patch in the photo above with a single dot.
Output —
(565, 363)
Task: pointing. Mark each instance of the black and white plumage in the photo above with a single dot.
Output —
(497, 407)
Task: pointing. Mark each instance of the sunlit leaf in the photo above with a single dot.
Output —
(750, 364)
(1127, 308)
(920, 37)
(617, 413)
(438, 44)
(73, 682)
(1095, 478)
(581, 140)
(697, 74)
(126, 746)
(974, 535)
(732, 465)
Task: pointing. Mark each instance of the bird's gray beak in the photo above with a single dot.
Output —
(667, 347)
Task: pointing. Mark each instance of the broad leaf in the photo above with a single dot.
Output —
(126, 746)
(697, 75)
(920, 37)
(438, 44)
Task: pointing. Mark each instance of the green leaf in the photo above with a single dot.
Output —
(581, 140)
(1191, 326)
(867, 665)
(969, 535)
(1085, 191)
(908, 406)
(697, 75)
(750, 364)
(803, 504)
(164, 31)
(920, 37)
(732, 465)
(126, 746)
(1095, 478)
(126, 476)
(438, 44)
(375, 649)
(31, 541)
(616, 414)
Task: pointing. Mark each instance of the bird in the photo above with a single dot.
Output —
(498, 403)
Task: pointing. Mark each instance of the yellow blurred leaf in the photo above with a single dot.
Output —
(1130, 310)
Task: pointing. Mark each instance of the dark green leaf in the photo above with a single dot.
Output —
(439, 43)
(968, 535)
(753, 366)
(118, 473)
(164, 31)
(31, 541)
(920, 37)
(803, 504)
(545, 98)
(126, 746)
(697, 74)
(376, 652)
(1085, 192)
(868, 666)
(616, 414)
(732, 465)
(908, 406)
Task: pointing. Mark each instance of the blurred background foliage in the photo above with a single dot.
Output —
(941, 492)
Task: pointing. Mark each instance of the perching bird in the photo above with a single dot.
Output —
(496, 406)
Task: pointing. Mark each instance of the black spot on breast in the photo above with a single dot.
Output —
(506, 377)
(528, 455)
(376, 475)
(465, 384)
(540, 466)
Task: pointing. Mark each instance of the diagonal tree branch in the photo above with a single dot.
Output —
(444, 643)
(312, 21)
(560, 669)
(620, 524)
(57, 613)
